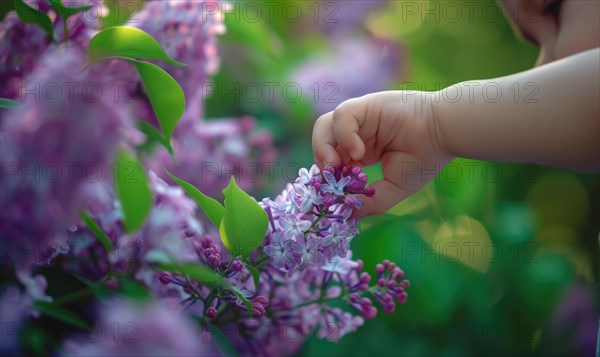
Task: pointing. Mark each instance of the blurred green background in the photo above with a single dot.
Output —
(502, 258)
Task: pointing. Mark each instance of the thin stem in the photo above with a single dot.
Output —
(317, 301)
(75, 296)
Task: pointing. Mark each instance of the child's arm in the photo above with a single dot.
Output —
(414, 134)
(561, 127)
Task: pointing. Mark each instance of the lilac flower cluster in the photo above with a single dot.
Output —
(310, 222)
(38, 203)
(22, 43)
(305, 263)
(171, 230)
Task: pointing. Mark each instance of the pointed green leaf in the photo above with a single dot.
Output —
(61, 314)
(126, 43)
(6, 103)
(244, 222)
(98, 233)
(32, 16)
(222, 342)
(200, 273)
(133, 191)
(211, 207)
(67, 11)
(255, 275)
(133, 290)
(165, 94)
(153, 134)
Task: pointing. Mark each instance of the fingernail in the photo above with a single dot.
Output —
(355, 155)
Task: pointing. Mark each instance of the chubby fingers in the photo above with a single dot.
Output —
(324, 143)
(347, 118)
(337, 132)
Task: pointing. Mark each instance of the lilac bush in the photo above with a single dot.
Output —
(304, 264)
(245, 273)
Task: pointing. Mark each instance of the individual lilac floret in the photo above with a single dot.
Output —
(307, 197)
(283, 252)
(333, 186)
(293, 227)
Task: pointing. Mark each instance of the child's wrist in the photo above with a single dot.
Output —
(435, 115)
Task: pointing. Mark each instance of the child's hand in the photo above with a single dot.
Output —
(396, 128)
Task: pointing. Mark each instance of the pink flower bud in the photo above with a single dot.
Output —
(211, 312)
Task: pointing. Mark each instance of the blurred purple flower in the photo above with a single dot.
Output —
(352, 67)
(209, 152)
(53, 144)
(23, 44)
(142, 330)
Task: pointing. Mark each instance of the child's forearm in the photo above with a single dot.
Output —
(548, 115)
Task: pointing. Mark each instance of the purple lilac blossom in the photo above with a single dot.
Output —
(171, 230)
(325, 219)
(209, 152)
(128, 329)
(351, 67)
(23, 44)
(297, 278)
(53, 144)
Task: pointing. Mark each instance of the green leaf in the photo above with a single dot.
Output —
(67, 11)
(61, 314)
(153, 134)
(133, 290)
(239, 294)
(6, 7)
(255, 275)
(6, 103)
(244, 222)
(93, 226)
(211, 207)
(222, 342)
(126, 43)
(165, 94)
(132, 190)
(32, 16)
(198, 272)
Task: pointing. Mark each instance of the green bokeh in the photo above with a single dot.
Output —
(537, 226)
